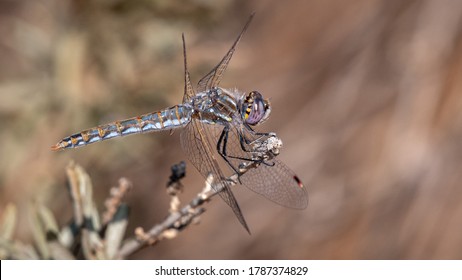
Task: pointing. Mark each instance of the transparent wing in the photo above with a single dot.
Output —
(195, 140)
(273, 180)
(277, 183)
(213, 78)
(188, 89)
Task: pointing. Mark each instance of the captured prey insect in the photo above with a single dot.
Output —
(216, 123)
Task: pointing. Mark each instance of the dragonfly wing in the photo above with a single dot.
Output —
(195, 140)
(213, 78)
(188, 89)
(273, 179)
(278, 183)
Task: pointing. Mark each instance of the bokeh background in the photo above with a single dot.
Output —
(366, 95)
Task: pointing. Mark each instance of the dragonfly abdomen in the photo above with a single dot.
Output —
(171, 118)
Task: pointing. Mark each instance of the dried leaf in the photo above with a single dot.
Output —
(8, 222)
(116, 230)
(20, 251)
(59, 252)
(47, 219)
(74, 190)
(39, 234)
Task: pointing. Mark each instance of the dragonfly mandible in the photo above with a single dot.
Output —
(217, 123)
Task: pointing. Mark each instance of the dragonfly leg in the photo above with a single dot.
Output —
(251, 130)
(243, 141)
(221, 148)
(224, 139)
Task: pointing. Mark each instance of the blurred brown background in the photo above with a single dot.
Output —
(366, 96)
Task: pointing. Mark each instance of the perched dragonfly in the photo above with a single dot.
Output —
(217, 123)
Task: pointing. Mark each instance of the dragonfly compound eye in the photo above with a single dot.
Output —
(255, 109)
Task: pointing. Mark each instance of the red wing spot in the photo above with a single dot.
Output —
(300, 184)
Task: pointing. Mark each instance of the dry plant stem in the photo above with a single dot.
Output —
(264, 149)
(73, 177)
(115, 199)
(176, 220)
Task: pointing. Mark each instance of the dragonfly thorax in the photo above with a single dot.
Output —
(253, 108)
(215, 106)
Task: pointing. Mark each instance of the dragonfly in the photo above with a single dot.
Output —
(218, 136)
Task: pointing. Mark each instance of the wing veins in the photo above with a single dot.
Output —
(212, 79)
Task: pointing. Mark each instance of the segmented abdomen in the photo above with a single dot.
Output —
(171, 118)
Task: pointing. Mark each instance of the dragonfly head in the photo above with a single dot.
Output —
(254, 109)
